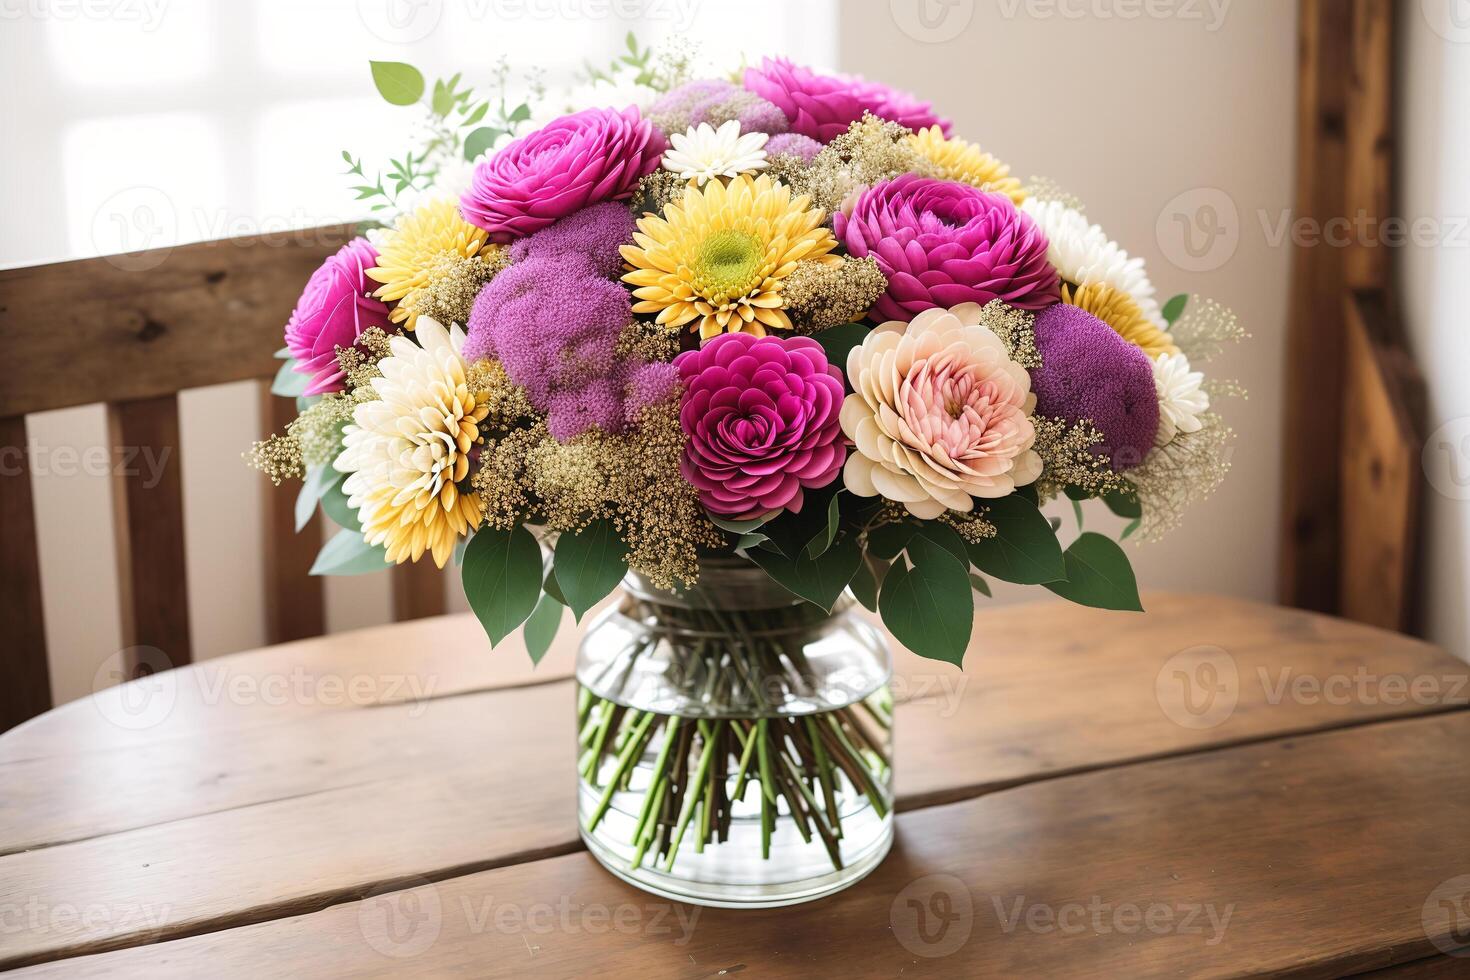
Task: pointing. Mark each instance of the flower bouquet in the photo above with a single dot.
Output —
(762, 348)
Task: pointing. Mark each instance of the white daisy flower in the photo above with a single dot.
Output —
(1083, 254)
(1182, 400)
(704, 152)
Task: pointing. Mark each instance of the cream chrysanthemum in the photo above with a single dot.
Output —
(718, 256)
(428, 242)
(1083, 254)
(962, 161)
(406, 451)
(939, 414)
(704, 153)
(1119, 311)
(1182, 398)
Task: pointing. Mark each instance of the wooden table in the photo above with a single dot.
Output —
(1214, 788)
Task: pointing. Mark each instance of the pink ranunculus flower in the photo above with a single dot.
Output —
(940, 414)
(942, 243)
(823, 106)
(589, 156)
(762, 417)
(333, 311)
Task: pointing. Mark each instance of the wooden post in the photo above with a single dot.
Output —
(27, 688)
(294, 599)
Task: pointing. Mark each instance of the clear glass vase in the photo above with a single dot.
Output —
(735, 745)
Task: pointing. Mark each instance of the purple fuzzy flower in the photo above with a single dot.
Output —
(592, 235)
(942, 243)
(577, 160)
(333, 311)
(1090, 372)
(823, 106)
(803, 147)
(714, 101)
(761, 414)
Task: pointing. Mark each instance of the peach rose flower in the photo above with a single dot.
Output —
(940, 414)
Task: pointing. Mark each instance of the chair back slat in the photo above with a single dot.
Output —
(295, 605)
(418, 590)
(148, 501)
(27, 687)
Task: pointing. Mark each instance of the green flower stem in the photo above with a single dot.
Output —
(690, 795)
(625, 762)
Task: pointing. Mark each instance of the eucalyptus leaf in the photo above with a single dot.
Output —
(1133, 526)
(792, 531)
(866, 582)
(541, 627)
(1124, 503)
(928, 607)
(740, 527)
(348, 554)
(335, 506)
(318, 479)
(823, 539)
(819, 580)
(443, 99)
(589, 564)
(1024, 549)
(397, 82)
(980, 585)
(1098, 575)
(502, 578)
(480, 140)
(290, 383)
(888, 540)
(947, 538)
(553, 587)
(1174, 309)
(283, 354)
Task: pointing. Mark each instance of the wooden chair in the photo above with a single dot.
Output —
(132, 331)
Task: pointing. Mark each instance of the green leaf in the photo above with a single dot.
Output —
(589, 564)
(318, 479)
(1074, 492)
(947, 538)
(739, 527)
(821, 580)
(1024, 550)
(1124, 503)
(1098, 575)
(476, 114)
(823, 538)
(553, 587)
(1077, 512)
(840, 340)
(459, 549)
(334, 505)
(283, 354)
(502, 578)
(348, 554)
(866, 582)
(443, 99)
(519, 114)
(1133, 525)
(1174, 309)
(541, 628)
(888, 540)
(753, 540)
(929, 607)
(290, 383)
(980, 585)
(480, 140)
(397, 82)
(792, 531)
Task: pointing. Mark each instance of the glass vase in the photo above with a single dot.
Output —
(735, 744)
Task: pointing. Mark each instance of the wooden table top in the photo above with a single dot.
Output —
(1213, 788)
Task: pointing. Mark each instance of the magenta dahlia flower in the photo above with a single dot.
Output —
(762, 417)
(823, 106)
(1089, 372)
(577, 160)
(333, 311)
(942, 243)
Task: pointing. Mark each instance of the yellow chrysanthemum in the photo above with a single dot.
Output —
(718, 256)
(1121, 312)
(423, 244)
(405, 451)
(962, 161)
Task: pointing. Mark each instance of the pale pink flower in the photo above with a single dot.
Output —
(940, 414)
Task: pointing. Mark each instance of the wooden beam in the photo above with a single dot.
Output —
(148, 498)
(1309, 547)
(27, 688)
(294, 599)
(1381, 477)
(1369, 169)
(418, 590)
(132, 327)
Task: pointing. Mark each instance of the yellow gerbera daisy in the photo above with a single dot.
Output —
(405, 451)
(1121, 312)
(423, 246)
(962, 161)
(718, 256)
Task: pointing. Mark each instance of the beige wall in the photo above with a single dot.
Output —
(1143, 118)
(1128, 114)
